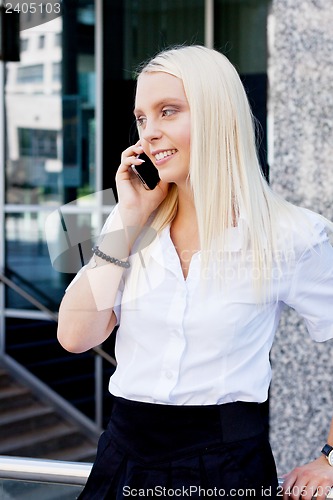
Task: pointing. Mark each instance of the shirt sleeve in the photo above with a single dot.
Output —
(311, 291)
(117, 302)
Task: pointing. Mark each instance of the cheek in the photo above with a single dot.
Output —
(187, 143)
(144, 143)
(185, 137)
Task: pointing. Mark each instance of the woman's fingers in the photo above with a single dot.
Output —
(129, 157)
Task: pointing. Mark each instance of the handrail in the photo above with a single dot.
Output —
(33, 289)
(55, 471)
(52, 315)
(101, 354)
(36, 469)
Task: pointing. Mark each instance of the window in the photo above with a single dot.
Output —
(41, 41)
(155, 24)
(24, 44)
(56, 72)
(57, 40)
(240, 33)
(30, 74)
(37, 143)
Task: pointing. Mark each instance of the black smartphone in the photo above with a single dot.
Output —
(147, 172)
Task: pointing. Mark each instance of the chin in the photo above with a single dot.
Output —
(165, 177)
(172, 179)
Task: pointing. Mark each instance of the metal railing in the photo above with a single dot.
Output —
(54, 471)
(100, 353)
(47, 471)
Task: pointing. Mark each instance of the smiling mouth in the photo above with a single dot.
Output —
(165, 154)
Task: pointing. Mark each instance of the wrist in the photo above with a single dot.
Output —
(109, 258)
(119, 235)
(327, 451)
(132, 218)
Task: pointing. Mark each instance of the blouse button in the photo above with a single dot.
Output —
(168, 374)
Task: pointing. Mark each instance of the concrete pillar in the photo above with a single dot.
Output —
(301, 169)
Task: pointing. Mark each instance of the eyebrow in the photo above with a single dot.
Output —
(163, 102)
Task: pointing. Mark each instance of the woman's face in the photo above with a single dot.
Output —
(163, 118)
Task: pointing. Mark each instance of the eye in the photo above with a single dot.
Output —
(168, 112)
(140, 120)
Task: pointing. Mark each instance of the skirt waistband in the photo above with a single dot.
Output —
(149, 430)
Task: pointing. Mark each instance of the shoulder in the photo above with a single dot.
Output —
(302, 229)
(312, 226)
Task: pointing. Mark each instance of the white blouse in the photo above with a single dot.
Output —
(193, 342)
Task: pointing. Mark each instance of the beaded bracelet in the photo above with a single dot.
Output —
(108, 258)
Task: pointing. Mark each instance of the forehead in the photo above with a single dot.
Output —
(155, 87)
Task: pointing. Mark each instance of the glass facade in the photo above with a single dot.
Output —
(152, 25)
(34, 122)
(10, 488)
(50, 110)
(68, 112)
(240, 33)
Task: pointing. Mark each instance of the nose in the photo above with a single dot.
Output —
(151, 132)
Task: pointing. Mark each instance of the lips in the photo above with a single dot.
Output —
(160, 155)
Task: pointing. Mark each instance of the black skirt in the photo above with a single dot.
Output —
(152, 450)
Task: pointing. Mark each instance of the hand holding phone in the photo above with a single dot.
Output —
(147, 172)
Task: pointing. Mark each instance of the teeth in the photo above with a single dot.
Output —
(164, 154)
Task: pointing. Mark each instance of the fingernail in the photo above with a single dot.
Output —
(142, 161)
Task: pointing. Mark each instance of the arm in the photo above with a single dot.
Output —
(311, 296)
(316, 475)
(86, 316)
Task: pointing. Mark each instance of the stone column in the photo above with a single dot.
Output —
(301, 169)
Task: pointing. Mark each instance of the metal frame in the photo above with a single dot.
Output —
(209, 23)
(2, 197)
(53, 471)
(45, 471)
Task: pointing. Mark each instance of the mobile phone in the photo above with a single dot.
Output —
(147, 172)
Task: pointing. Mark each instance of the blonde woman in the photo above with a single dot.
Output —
(198, 306)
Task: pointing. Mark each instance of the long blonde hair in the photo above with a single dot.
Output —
(225, 175)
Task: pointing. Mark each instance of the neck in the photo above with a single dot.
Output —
(186, 214)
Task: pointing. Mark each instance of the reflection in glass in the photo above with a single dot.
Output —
(50, 111)
(240, 33)
(152, 25)
(28, 259)
(10, 488)
(34, 119)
